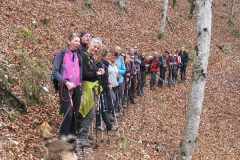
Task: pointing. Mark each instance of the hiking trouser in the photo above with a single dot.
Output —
(172, 75)
(139, 83)
(133, 83)
(69, 124)
(162, 76)
(86, 121)
(103, 112)
(142, 76)
(153, 79)
(116, 90)
(183, 71)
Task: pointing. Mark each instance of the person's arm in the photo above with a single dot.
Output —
(56, 67)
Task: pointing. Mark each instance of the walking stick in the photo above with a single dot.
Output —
(74, 113)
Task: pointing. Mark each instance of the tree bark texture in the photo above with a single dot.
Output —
(196, 94)
(232, 10)
(164, 15)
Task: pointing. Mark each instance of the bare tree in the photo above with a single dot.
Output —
(163, 21)
(89, 2)
(122, 5)
(232, 10)
(196, 95)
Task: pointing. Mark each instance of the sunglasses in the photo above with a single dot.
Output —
(108, 50)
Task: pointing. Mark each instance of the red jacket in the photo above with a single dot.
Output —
(154, 64)
(172, 59)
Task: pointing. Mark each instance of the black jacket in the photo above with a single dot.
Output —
(89, 68)
(143, 64)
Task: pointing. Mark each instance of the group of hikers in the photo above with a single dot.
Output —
(87, 86)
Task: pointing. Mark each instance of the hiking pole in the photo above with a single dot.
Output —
(115, 116)
(102, 110)
(98, 113)
(74, 113)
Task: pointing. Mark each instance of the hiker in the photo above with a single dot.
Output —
(128, 76)
(162, 60)
(172, 62)
(179, 63)
(153, 70)
(121, 70)
(142, 73)
(184, 58)
(90, 87)
(113, 76)
(67, 70)
(85, 38)
(106, 58)
(134, 73)
(136, 55)
(137, 63)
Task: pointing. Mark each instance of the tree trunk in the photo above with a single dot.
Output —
(202, 49)
(232, 10)
(89, 2)
(122, 3)
(163, 21)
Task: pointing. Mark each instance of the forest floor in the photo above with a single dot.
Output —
(150, 129)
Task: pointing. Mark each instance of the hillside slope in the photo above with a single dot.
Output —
(157, 120)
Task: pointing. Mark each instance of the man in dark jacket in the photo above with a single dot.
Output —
(184, 58)
(85, 38)
(163, 67)
(142, 73)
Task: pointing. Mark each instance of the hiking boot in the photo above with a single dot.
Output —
(114, 128)
(100, 128)
(111, 118)
(139, 94)
(152, 88)
(132, 101)
(83, 143)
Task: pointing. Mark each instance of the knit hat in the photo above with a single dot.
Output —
(84, 33)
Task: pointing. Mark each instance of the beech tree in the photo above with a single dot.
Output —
(196, 94)
(89, 2)
(232, 10)
(163, 21)
(122, 5)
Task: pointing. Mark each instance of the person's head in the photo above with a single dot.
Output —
(122, 55)
(73, 41)
(117, 50)
(107, 55)
(135, 47)
(166, 53)
(85, 37)
(155, 54)
(143, 54)
(137, 62)
(131, 51)
(127, 58)
(183, 48)
(94, 46)
(132, 57)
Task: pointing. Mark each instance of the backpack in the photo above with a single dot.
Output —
(53, 80)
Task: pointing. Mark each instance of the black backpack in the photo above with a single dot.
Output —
(53, 80)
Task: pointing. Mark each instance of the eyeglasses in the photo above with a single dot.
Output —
(108, 50)
(135, 48)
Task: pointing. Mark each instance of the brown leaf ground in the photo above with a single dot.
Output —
(152, 128)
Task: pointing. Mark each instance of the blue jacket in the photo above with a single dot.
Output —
(121, 68)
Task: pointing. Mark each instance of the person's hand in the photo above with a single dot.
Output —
(128, 74)
(127, 79)
(70, 85)
(110, 86)
(118, 76)
(100, 71)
